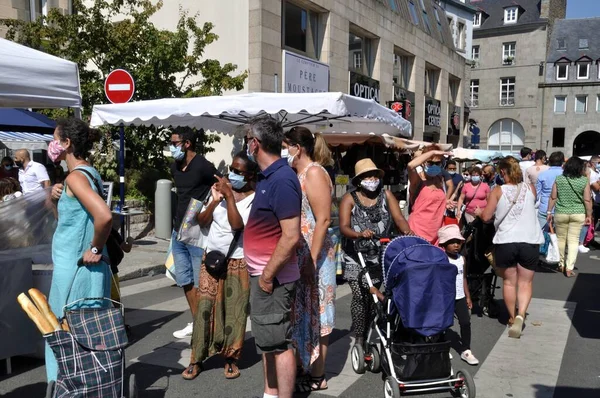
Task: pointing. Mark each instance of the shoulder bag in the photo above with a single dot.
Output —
(113, 243)
(216, 262)
(490, 254)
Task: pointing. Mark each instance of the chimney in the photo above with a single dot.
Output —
(553, 9)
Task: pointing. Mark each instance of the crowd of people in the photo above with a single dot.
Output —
(264, 252)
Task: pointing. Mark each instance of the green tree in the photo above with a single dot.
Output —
(105, 35)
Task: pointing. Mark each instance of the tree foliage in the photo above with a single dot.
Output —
(103, 35)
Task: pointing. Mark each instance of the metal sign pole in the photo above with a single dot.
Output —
(122, 175)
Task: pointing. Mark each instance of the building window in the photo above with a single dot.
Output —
(425, 17)
(562, 71)
(402, 70)
(453, 87)
(511, 14)
(583, 44)
(361, 54)
(413, 12)
(558, 137)
(507, 91)
(560, 104)
(477, 20)
(475, 53)
(301, 30)
(431, 81)
(461, 36)
(474, 93)
(561, 44)
(583, 71)
(581, 103)
(509, 50)
(393, 5)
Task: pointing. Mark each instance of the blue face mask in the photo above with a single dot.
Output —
(237, 181)
(433, 170)
(8, 168)
(476, 179)
(176, 152)
(251, 156)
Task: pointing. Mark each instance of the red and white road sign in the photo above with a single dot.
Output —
(119, 86)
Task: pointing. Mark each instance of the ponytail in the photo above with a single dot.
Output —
(322, 153)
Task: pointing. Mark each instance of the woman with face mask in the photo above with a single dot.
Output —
(428, 197)
(308, 154)
(366, 213)
(474, 196)
(220, 318)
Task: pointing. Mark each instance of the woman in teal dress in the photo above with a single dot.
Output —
(84, 223)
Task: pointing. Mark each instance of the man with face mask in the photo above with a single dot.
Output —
(193, 176)
(33, 176)
(8, 169)
(489, 175)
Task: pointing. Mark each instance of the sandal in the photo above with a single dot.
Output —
(561, 269)
(311, 383)
(231, 369)
(571, 274)
(192, 371)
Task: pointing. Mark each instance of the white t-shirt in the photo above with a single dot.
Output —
(595, 177)
(32, 177)
(460, 265)
(221, 235)
(525, 164)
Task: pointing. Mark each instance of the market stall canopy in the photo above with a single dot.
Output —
(34, 79)
(473, 155)
(324, 112)
(395, 143)
(25, 121)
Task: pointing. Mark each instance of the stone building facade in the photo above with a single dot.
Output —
(571, 90)
(28, 10)
(509, 52)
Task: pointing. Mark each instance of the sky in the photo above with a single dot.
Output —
(583, 8)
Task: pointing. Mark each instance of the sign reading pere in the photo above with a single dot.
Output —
(364, 87)
(304, 75)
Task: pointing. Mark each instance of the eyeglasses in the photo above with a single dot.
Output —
(237, 171)
(175, 143)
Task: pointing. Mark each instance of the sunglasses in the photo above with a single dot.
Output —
(175, 143)
(237, 171)
(430, 163)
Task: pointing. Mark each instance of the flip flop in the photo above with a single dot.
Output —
(231, 370)
(192, 371)
(571, 274)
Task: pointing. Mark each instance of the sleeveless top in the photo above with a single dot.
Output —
(570, 193)
(520, 225)
(427, 215)
(460, 265)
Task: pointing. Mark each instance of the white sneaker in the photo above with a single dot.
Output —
(185, 332)
(469, 358)
(583, 249)
(451, 357)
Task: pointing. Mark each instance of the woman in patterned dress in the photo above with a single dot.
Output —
(314, 311)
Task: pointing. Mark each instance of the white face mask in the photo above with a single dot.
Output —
(370, 185)
(285, 153)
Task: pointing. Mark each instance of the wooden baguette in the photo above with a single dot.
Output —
(34, 314)
(41, 303)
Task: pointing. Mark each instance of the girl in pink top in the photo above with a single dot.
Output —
(474, 195)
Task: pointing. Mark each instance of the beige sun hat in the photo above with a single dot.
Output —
(364, 166)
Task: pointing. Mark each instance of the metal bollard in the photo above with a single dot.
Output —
(163, 219)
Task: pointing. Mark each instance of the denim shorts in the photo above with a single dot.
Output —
(271, 316)
(187, 259)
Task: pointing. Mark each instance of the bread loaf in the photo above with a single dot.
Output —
(34, 314)
(42, 304)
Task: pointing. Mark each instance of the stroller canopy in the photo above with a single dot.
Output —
(422, 282)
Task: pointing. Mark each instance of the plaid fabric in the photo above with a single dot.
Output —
(90, 359)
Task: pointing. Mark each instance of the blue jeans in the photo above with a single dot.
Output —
(583, 234)
(542, 218)
(187, 259)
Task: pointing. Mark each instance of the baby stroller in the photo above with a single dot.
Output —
(481, 277)
(91, 355)
(410, 326)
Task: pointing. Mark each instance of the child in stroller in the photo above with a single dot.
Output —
(407, 337)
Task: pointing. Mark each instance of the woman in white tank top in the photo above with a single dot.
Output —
(517, 239)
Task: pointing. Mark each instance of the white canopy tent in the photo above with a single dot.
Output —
(34, 79)
(323, 112)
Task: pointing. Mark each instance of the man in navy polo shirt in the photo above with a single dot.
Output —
(270, 239)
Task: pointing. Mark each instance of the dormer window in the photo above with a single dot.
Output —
(583, 70)
(511, 14)
(562, 71)
(477, 20)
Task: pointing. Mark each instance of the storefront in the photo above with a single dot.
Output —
(304, 75)
(363, 86)
(433, 111)
(403, 103)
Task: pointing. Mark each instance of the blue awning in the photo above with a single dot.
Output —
(11, 136)
(23, 120)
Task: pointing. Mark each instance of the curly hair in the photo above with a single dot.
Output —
(81, 135)
(574, 167)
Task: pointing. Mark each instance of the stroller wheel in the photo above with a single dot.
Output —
(358, 359)
(50, 389)
(468, 388)
(132, 392)
(391, 388)
(375, 365)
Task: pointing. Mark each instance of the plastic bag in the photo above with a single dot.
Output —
(552, 256)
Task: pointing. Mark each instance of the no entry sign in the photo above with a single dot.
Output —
(119, 86)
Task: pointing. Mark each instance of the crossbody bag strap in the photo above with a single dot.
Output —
(96, 182)
(511, 205)
(576, 193)
(236, 238)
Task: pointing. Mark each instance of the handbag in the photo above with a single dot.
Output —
(113, 243)
(190, 232)
(552, 256)
(215, 262)
(490, 254)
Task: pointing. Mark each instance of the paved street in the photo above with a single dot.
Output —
(557, 355)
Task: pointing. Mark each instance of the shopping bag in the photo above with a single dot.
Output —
(552, 256)
(170, 264)
(590, 235)
(449, 219)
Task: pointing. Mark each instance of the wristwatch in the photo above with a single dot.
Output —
(95, 250)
